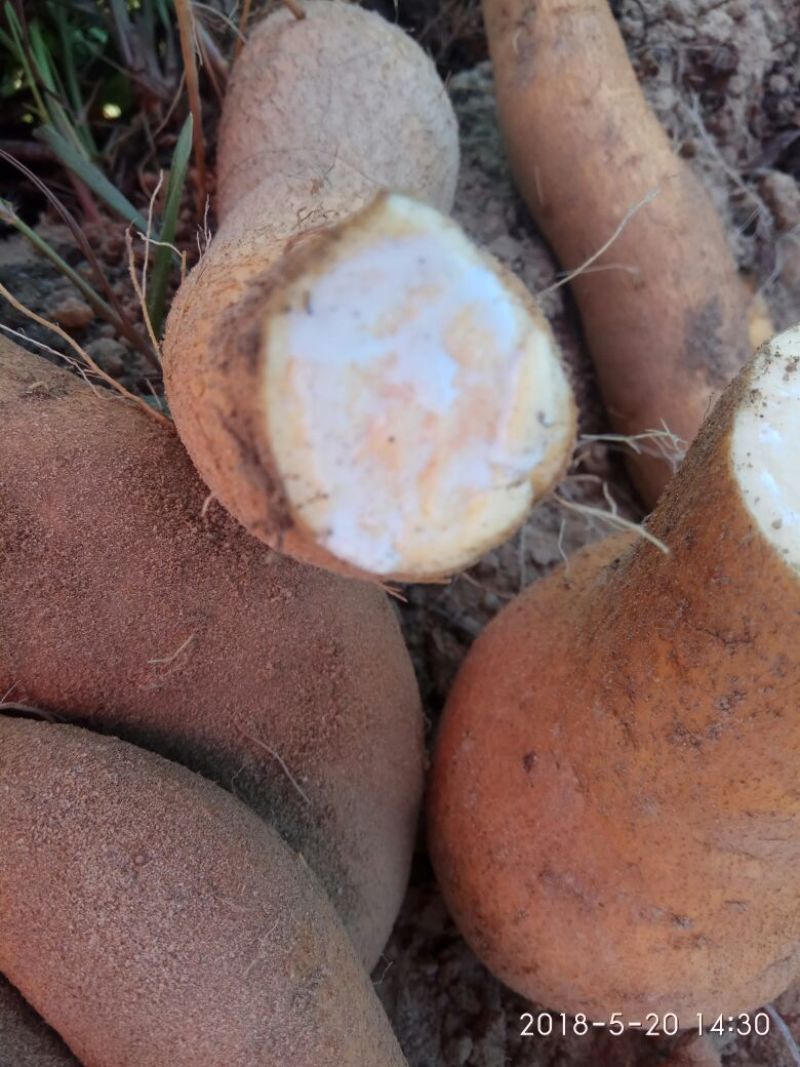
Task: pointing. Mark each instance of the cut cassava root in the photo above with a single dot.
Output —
(133, 606)
(614, 812)
(355, 382)
(154, 920)
(664, 310)
(432, 482)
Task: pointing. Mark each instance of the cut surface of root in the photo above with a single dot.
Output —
(415, 400)
(766, 444)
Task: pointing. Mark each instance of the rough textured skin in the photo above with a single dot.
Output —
(666, 319)
(591, 824)
(320, 116)
(317, 101)
(25, 1040)
(130, 607)
(155, 921)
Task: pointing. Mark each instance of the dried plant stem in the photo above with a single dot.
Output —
(140, 296)
(276, 756)
(244, 18)
(614, 519)
(85, 357)
(295, 9)
(148, 235)
(626, 218)
(185, 16)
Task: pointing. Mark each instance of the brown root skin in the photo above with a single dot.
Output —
(25, 1039)
(614, 816)
(316, 102)
(309, 141)
(664, 310)
(153, 919)
(138, 608)
(218, 356)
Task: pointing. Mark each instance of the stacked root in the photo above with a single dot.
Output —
(149, 915)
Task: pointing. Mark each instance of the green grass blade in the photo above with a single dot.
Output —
(53, 89)
(163, 258)
(24, 61)
(37, 66)
(67, 33)
(41, 57)
(91, 176)
(62, 122)
(70, 72)
(163, 14)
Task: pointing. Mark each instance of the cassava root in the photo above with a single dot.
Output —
(356, 383)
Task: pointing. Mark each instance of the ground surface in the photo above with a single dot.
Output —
(723, 77)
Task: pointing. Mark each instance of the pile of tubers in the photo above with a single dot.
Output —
(211, 744)
(614, 812)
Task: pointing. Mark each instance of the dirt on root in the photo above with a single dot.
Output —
(724, 78)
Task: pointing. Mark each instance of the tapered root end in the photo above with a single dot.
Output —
(415, 400)
(766, 444)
